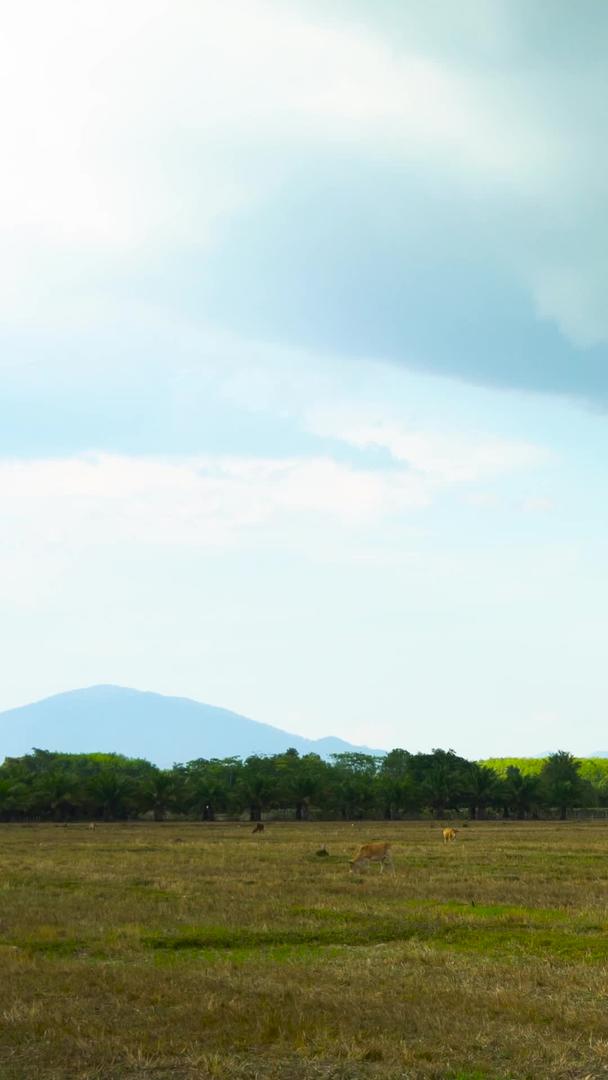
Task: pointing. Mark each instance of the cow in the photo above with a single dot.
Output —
(92, 825)
(449, 835)
(378, 852)
(259, 827)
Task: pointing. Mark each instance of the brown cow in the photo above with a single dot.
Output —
(449, 835)
(259, 827)
(378, 852)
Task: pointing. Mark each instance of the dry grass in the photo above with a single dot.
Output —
(192, 950)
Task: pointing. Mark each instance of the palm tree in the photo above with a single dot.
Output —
(259, 784)
(110, 792)
(521, 791)
(157, 793)
(561, 781)
(481, 789)
(56, 794)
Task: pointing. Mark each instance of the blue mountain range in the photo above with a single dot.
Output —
(165, 730)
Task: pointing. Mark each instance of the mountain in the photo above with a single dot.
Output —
(141, 724)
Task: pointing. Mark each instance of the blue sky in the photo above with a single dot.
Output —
(304, 367)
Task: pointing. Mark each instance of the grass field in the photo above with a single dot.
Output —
(195, 950)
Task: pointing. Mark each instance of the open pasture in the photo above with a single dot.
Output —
(186, 950)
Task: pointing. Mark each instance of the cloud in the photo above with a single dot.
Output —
(538, 504)
(441, 457)
(390, 181)
(102, 499)
(129, 125)
(70, 504)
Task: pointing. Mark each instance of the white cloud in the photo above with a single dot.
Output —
(444, 458)
(54, 511)
(537, 504)
(140, 125)
(133, 129)
(202, 501)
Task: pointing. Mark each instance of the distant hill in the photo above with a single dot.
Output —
(162, 729)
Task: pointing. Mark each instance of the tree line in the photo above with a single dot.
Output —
(48, 786)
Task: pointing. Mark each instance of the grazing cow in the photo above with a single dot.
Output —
(379, 852)
(259, 827)
(92, 825)
(449, 835)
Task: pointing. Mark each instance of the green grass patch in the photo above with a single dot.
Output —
(59, 947)
(582, 946)
(496, 931)
(327, 914)
(222, 937)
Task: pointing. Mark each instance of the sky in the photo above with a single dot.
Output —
(304, 363)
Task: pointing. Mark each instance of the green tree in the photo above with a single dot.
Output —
(396, 784)
(15, 798)
(440, 780)
(157, 792)
(482, 788)
(110, 794)
(210, 786)
(521, 791)
(561, 782)
(259, 785)
(354, 788)
(56, 794)
(302, 781)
